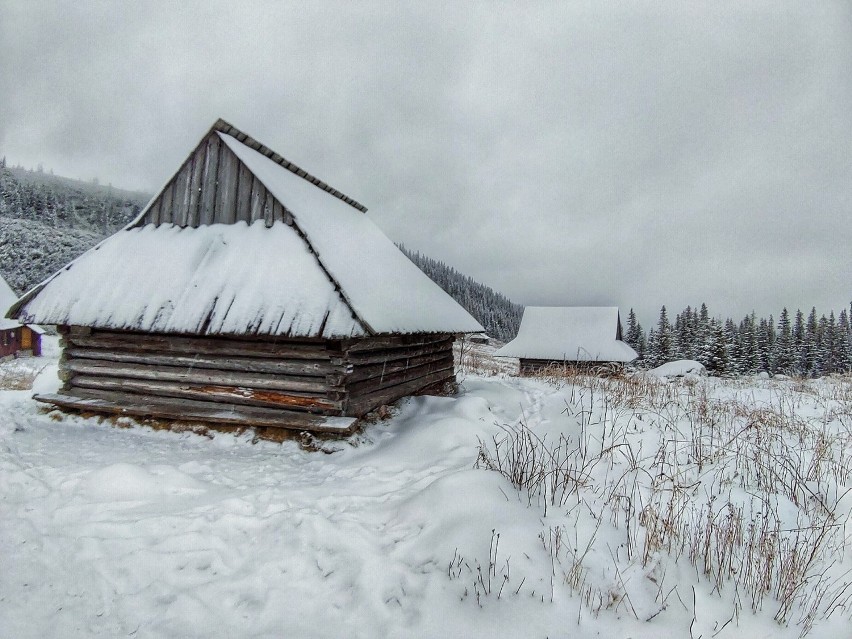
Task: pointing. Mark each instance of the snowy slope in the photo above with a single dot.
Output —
(108, 532)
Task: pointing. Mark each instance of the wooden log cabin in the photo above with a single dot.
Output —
(580, 337)
(16, 339)
(247, 293)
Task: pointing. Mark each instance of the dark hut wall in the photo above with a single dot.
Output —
(21, 340)
(10, 341)
(349, 377)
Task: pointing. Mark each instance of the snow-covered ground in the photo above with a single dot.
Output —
(519, 508)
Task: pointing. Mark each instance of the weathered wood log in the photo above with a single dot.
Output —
(370, 371)
(211, 392)
(299, 367)
(393, 341)
(79, 331)
(193, 375)
(399, 377)
(217, 346)
(391, 354)
(360, 406)
(189, 410)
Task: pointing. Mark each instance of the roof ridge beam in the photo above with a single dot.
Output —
(224, 127)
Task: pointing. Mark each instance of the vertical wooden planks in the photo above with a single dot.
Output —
(180, 201)
(166, 203)
(277, 212)
(209, 181)
(244, 191)
(226, 193)
(198, 161)
(153, 214)
(269, 209)
(258, 198)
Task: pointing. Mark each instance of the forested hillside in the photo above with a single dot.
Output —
(47, 220)
(499, 315)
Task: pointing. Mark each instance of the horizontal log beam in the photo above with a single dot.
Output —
(187, 410)
(218, 346)
(403, 375)
(211, 393)
(241, 364)
(392, 354)
(379, 369)
(364, 404)
(318, 385)
(392, 341)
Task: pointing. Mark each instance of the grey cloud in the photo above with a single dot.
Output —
(564, 153)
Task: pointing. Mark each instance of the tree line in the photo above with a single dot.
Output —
(808, 346)
(500, 317)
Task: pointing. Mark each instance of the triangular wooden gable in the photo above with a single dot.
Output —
(213, 186)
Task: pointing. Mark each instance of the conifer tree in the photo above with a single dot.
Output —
(733, 351)
(652, 357)
(785, 358)
(631, 335)
(798, 341)
(664, 346)
(764, 345)
(844, 359)
(716, 354)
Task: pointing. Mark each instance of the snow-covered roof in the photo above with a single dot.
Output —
(332, 273)
(579, 333)
(7, 299)
(386, 290)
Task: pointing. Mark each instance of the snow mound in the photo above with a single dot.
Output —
(130, 482)
(680, 368)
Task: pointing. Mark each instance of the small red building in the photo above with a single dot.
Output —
(15, 338)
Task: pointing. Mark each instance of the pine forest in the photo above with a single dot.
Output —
(809, 345)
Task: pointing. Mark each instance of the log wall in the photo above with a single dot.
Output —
(250, 377)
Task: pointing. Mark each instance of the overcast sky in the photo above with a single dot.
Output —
(565, 153)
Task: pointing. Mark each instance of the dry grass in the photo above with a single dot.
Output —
(742, 481)
(13, 376)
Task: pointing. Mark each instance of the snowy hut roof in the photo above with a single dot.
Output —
(293, 257)
(7, 298)
(579, 333)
